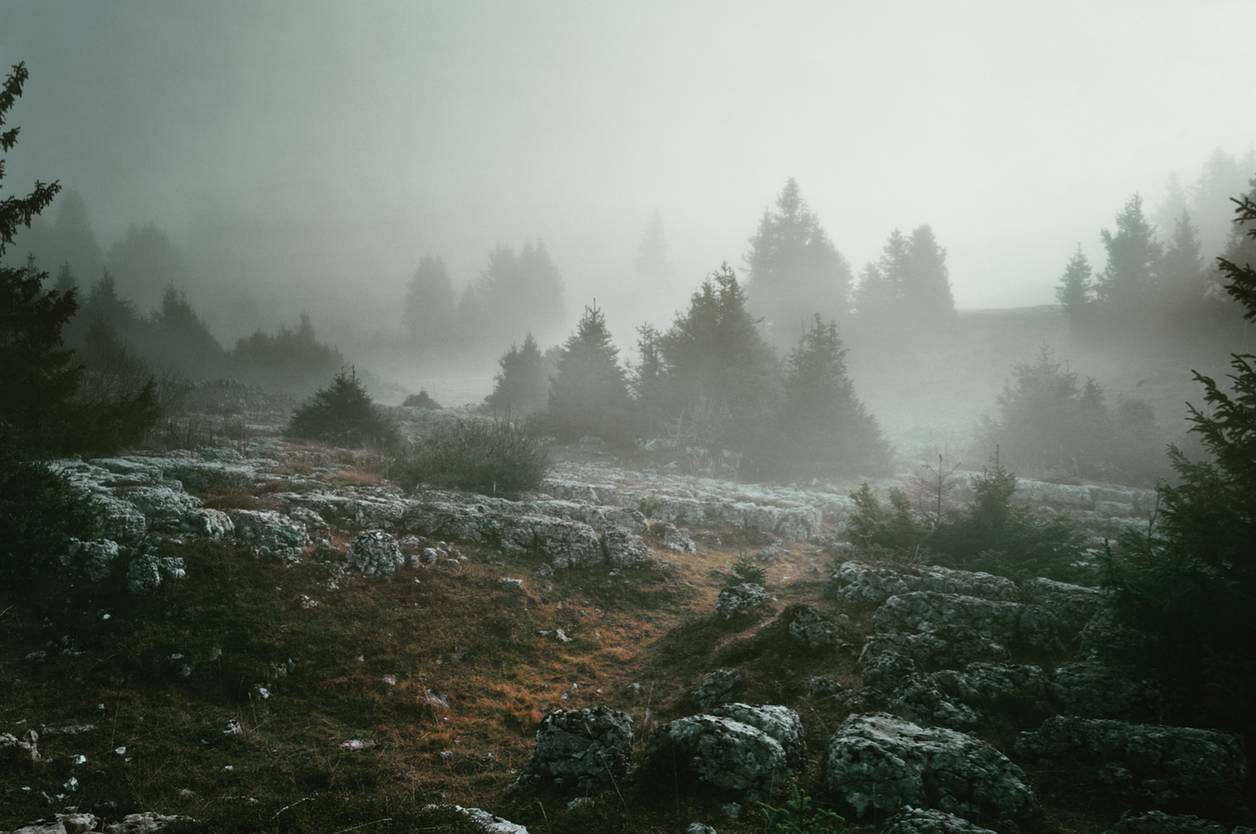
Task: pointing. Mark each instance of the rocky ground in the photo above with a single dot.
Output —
(264, 635)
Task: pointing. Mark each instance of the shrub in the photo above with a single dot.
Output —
(799, 815)
(823, 428)
(421, 400)
(1051, 424)
(990, 534)
(343, 414)
(39, 512)
(746, 569)
(484, 456)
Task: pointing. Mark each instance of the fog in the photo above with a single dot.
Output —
(317, 150)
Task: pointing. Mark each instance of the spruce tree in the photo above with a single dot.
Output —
(521, 386)
(1185, 590)
(38, 374)
(723, 373)
(1073, 291)
(926, 285)
(589, 391)
(1134, 255)
(795, 270)
(649, 377)
(826, 430)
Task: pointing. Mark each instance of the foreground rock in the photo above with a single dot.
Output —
(376, 553)
(1158, 822)
(878, 764)
(719, 753)
(779, 722)
(741, 600)
(874, 584)
(1165, 766)
(926, 821)
(480, 820)
(581, 749)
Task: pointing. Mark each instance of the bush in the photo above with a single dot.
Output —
(746, 569)
(342, 414)
(1052, 425)
(421, 400)
(484, 456)
(991, 534)
(799, 815)
(39, 512)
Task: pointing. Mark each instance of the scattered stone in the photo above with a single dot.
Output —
(676, 540)
(741, 600)
(581, 748)
(513, 584)
(147, 823)
(147, 571)
(164, 507)
(376, 553)
(22, 750)
(879, 764)
(699, 828)
(269, 533)
(483, 821)
(625, 548)
(94, 559)
(357, 744)
(720, 753)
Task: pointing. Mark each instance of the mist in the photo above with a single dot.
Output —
(315, 162)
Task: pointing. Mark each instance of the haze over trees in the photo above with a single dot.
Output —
(794, 270)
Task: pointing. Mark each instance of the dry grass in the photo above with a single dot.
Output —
(454, 634)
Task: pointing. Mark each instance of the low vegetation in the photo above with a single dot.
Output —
(343, 414)
(991, 533)
(487, 456)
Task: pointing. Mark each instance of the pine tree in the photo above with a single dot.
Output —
(881, 288)
(429, 303)
(1073, 291)
(38, 373)
(926, 284)
(1186, 589)
(826, 429)
(521, 387)
(1133, 260)
(651, 264)
(795, 270)
(342, 414)
(589, 391)
(723, 373)
(649, 378)
(1182, 265)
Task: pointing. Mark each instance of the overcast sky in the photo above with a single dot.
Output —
(343, 140)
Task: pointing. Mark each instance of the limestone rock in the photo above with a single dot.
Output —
(376, 553)
(720, 753)
(269, 532)
(581, 748)
(925, 821)
(94, 559)
(880, 764)
(779, 722)
(740, 600)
